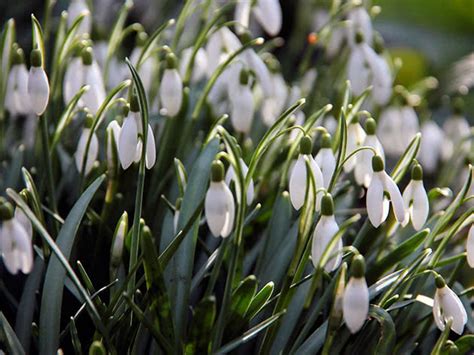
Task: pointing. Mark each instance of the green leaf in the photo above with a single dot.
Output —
(438, 348)
(259, 300)
(387, 339)
(465, 343)
(8, 337)
(38, 38)
(201, 327)
(240, 302)
(406, 159)
(52, 297)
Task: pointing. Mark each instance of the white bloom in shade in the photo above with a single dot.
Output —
(38, 86)
(81, 150)
(230, 176)
(113, 136)
(23, 219)
(145, 69)
(325, 230)
(92, 76)
(377, 204)
(200, 63)
(455, 129)
(447, 305)
(73, 78)
(16, 95)
(242, 15)
(76, 8)
(359, 21)
(269, 16)
(273, 106)
(326, 159)
(363, 169)
(355, 302)
(219, 206)
(381, 76)
(335, 41)
(470, 246)
(355, 139)
(358, 70)
(150, 157)
(415, 200)
(299, 178)
(396, 128)
(430, 148)
(242, 104)
(171, 88)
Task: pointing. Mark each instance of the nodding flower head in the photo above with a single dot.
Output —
(415, 199)
(447, 305)
(38, 85)
(171, 87)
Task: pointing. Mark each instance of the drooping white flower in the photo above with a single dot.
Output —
(16, 95)
(359, 21)
(200, 63)
(363, 169)
(355, 303)
(380, 76)
(171, 87)
(113, 136)
(396, 128)
(415, 200)
(120, 233)
(93, 151)
(324, 232)
(92, 76)
(219, 206)
(38, 85)
(355, 139)
(23, 219)
(75, 9)
(242, 104)
(377, 204)
(15, 242)
(326, 159)
(358, 70)
(470, 246)
(231, 176)
(273, 106)
(430, 148)
(269, 16)
(299, 177)
(456, 129)
(73, 78)
(242, 15)
(447, 305)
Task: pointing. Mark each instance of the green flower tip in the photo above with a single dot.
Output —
(245, 37)
(458, 106)
(217, 171)
(171, 61)
(179, 201)
(18, 56)
(358, 267)
(417, 172)
(379, 45)
(125, 110)
(370, 126)
(6, 209)
(439, 281)
(244, 77)
(306, 145)
(141, 39)
(87, 56)
(134, 105)
(35, 58)
(89, 121)
(359, 37)
(326, 141)
(97, 348)
(453, 349)
(377, 163)
(24, 194)
(327, 205)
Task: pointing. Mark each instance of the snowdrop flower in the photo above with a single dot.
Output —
(377, 204)
(242, 104)
(177, 212)
(15, 242)
(430, 147)
(273, 106)
(355, 303)
(363, 170)
(72, 81)
(359, 22)
(93, 151)
(219, 206)
(447, 305)
(325, 230)
(75, 9)
(38, 86)
(397, 127)
(455, 129)
(130, 139)
(268, 15)
(470, 246)
(355, 139)
(242, 15)
(171, 87)
(358, 71)
(326, 159)
(113, 136)
(415, 200)
(16, 101)
(299, 178)
(92, 76)
(116, 249)
(231, 176)
(23, 219)
(200, 64)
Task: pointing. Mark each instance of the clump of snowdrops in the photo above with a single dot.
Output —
(185, 197)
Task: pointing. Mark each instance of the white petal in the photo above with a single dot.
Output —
(452, 307)
(171, 92)
(128, 142)
(439, 321)
(357, 71)
(380, 74)
(355, 304)
(322, 235)
(319, 180)
(219, 209)
(38, 90)
(81, 150)
(360, 21)
(407, 199)
(73, 78)
(327, 162)
(430, 147)
(268, 14)
(470, 247)
(95, 96)
(395, 197)
(242, 15)
(150, 149)
(355, 137)
(230, 215)
(25, 222)
(262, 73)
(75, 8)
(420, 207)
(17, 249)
(298, 183)
(242, 109)
(175, 221)
(375, 200)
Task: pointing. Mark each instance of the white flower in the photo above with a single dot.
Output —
(363, 169)
(455, 129)
(242, 104)
(16, 247)
(377, 204)
(325, 230)
(73, 78)
(355, 302)
(146, 67)
(269, 16)
(381, 76)
(355, 139)
(76, 8)
(470, 246)
(415, 200)
(92, 76)
(273, 106)
(113, 136)
(171, 88)
(219, 206)
(242, 15)
(38, 86)
(16, 95)
(447, 305)
(21, 217)
(359, 21)
(299, 178)
(430, 147)
(200, 63)
(358, 71)
(81, 150)
(230, 175)
(326, 159)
